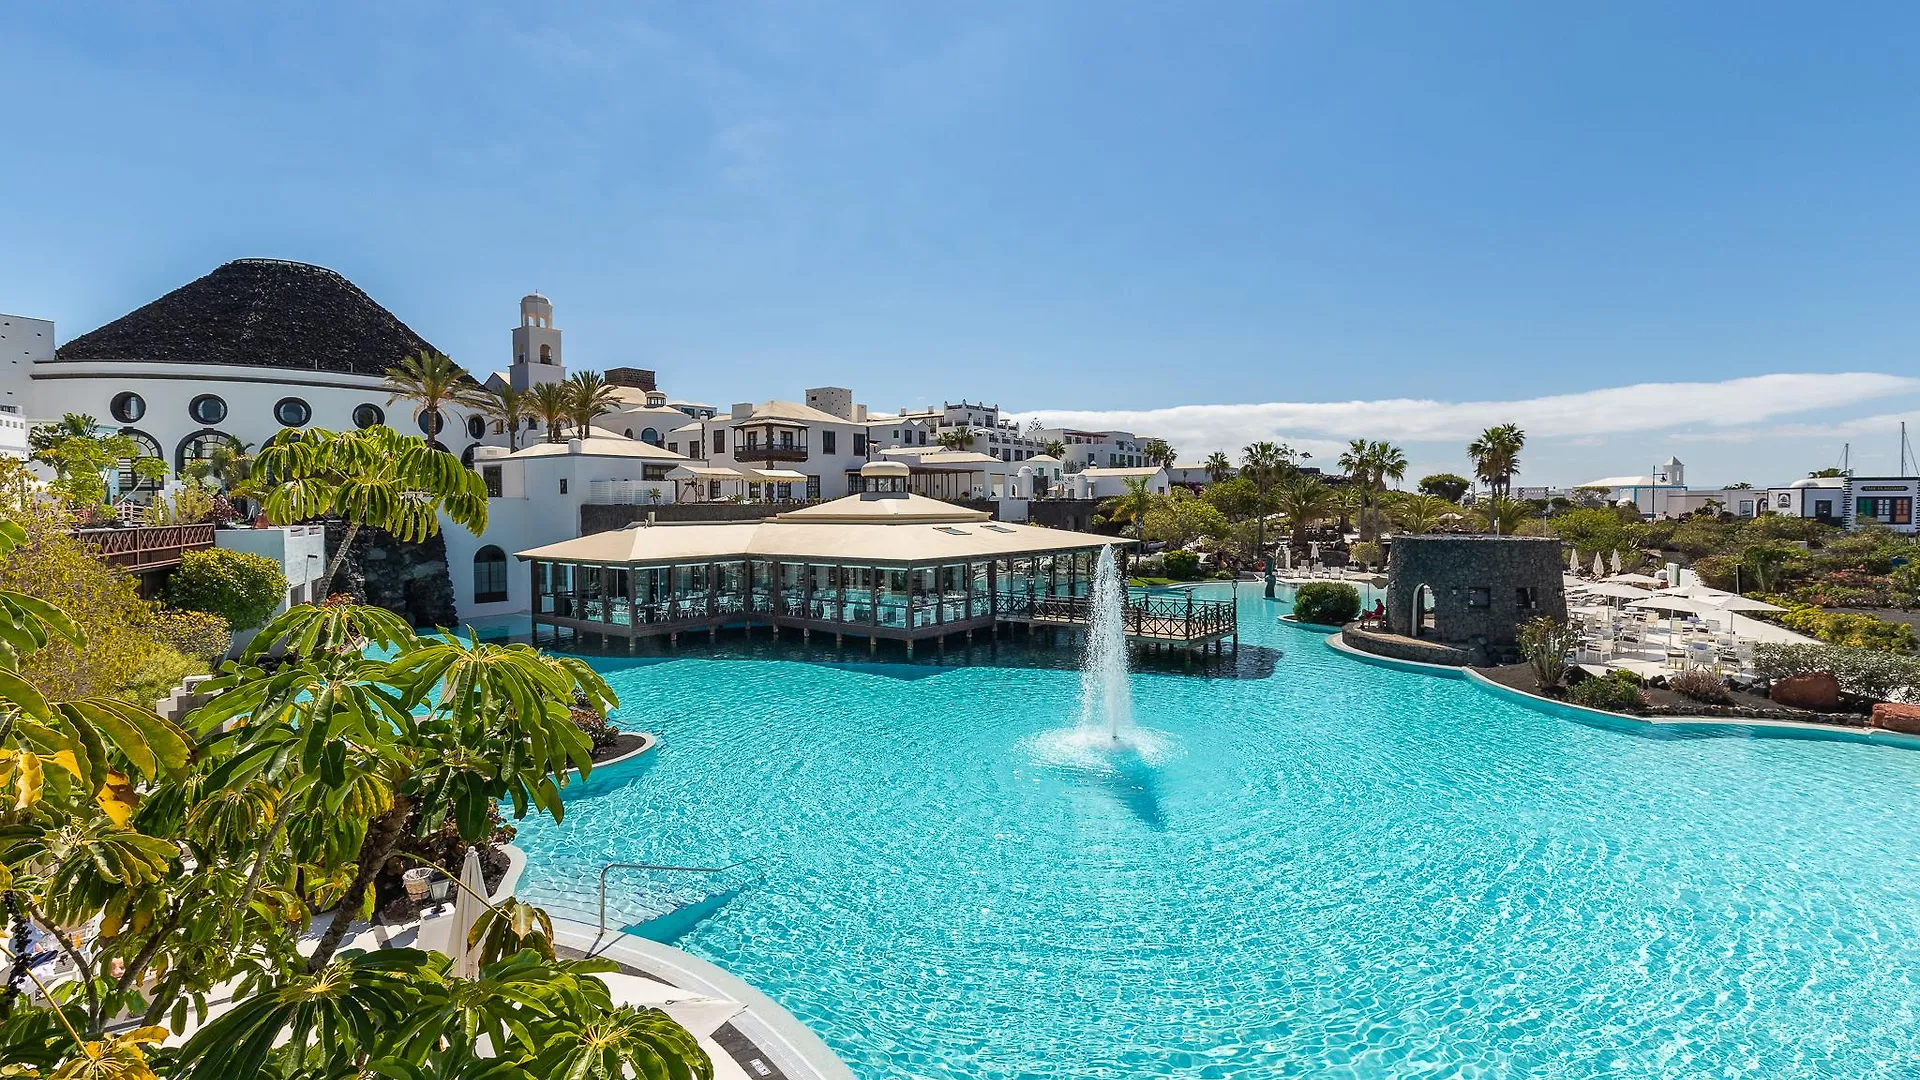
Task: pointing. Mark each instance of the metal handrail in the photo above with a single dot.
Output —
(657, 866)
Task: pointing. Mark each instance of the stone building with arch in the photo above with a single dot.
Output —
(1470, 594)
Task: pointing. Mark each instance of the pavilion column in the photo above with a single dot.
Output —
(633, 606)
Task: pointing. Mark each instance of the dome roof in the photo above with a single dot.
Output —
(1811, 482)
(258, 313)
(534, 298)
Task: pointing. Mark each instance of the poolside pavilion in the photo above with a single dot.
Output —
(883, 564)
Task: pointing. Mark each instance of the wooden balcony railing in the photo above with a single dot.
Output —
(146, 547)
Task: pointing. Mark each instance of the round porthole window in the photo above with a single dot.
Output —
(292, 412)
(476, 427)
(431, 422)
(208, 409)
(368, 415)
(128, 407)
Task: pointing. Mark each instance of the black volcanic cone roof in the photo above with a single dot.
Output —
(260, 313)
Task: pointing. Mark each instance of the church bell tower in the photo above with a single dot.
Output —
(536, 345)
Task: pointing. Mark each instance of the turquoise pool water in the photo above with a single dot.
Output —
(1335, 870)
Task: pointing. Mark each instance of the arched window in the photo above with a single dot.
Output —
(199, 447)
(489, 575)
(149, 448)
(466, 456)
(546, 354)
(650, 436)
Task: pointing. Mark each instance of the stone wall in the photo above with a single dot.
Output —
(1483, 588)
(598, 518)
(410, 579)
(1075, 515)
(1395, 647)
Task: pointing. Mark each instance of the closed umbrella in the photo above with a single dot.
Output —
(1599, 569)
(1573, 561)
(1614, 562)
(466, 912)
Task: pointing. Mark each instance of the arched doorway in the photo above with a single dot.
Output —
(1422, 625)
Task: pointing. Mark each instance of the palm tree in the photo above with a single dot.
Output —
(588, 396)
(509, 408)
(432, 381)
(1496, 456)
(1306, 501)
(1418, 514)
(1218, 466)
(955, 439)
(1157, 452)
(370, 477)
(552, 404)
(1357, 462)
(1504, 516)
(1138, 500)
(1056, 449)
(1265, 463)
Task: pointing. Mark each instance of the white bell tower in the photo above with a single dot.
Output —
(536, 345)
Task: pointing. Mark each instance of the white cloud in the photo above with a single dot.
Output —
(1879, 424)
(1588, 415)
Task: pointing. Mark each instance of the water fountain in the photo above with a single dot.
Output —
(1106, 697)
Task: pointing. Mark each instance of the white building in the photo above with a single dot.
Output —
(256, 346)
(24, 343)
(1097, 449)
(534, 497)
(1881, 500)
(1104, 483)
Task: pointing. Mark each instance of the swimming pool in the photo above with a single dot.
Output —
(1334, 870)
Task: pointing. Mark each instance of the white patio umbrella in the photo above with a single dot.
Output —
(1573, 561)
(1616, 589)
(466, 912)
(1742, 603)
(1599, 568)
(1674, 605)
(1635, 579)
(1614, 562)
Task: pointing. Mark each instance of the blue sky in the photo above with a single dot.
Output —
(1315, 218)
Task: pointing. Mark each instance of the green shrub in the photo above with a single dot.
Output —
(1868, 673)
(1618, 691)
(159, 672)
(1854, 631)
(1181, 565)
(1328, 603)
(597, 727)
(240, 587)
(198, 634)
(1545, 642)
(1366, 553)
(1700, 685)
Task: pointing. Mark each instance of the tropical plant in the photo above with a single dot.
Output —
(1157, 452)
(371, 477)
(433, 383)
(227, 467)
(239, 586)
(589, 395)
(1765, 563)
(1138, 500)
(1219, 466)
(958, 438)
(552, 404)
(1417, 514)
(1544, 643)
(1056, 449)
(1181, 521)
(199, 635)
(1446, 486)
(1616, 691)
(1326, 603)
(1599, 531)
(1496, 456)
(1843, 628)
(1265, 464)
(1365, 554)
(80, 455)
(1502, 516)
(1868, 673)
(1306, 501)
(509, 408)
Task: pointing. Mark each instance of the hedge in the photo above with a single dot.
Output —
(1326, 603)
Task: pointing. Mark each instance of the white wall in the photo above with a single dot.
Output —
(23, 343)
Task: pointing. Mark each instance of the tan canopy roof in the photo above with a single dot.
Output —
(873, 528)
